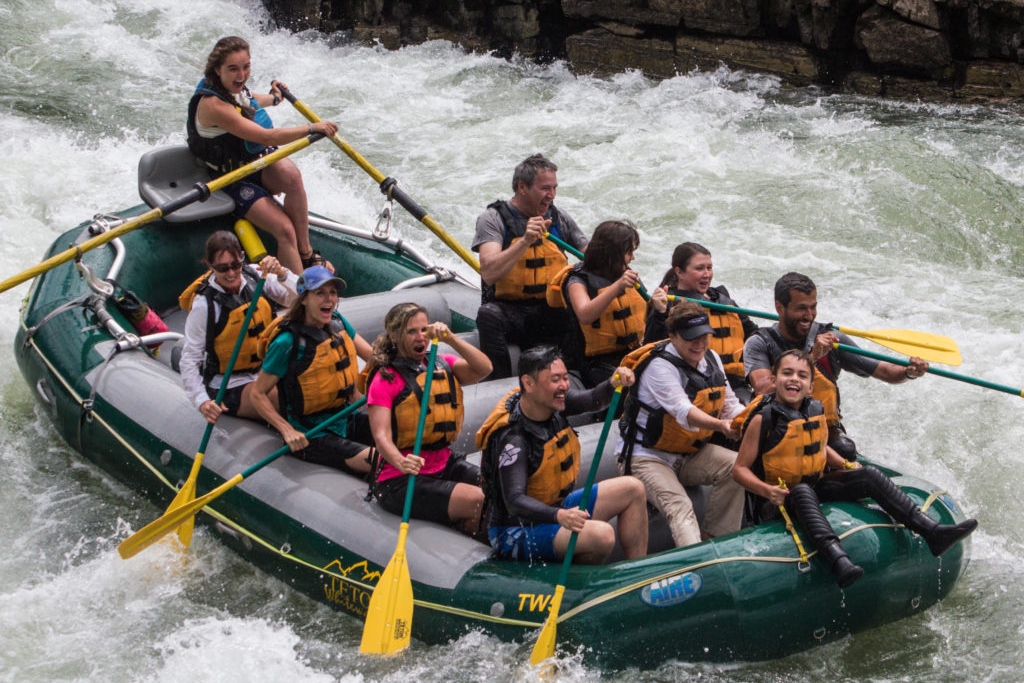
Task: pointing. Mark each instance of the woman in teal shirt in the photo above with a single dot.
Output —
(310, 356)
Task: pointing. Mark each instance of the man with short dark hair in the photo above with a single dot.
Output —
(516, 264)
(796, 302)
(531, 460)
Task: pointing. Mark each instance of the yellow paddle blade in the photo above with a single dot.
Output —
(545, 647)
(186, 494)
(171, 520)
(388, 627)
(934, 348)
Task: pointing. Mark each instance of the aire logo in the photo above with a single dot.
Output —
(673, 590)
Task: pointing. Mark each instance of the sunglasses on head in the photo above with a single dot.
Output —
(225, 267)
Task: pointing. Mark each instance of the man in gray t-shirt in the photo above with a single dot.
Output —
(516, 264)
(796, 302)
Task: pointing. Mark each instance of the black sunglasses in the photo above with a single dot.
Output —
(225, 267)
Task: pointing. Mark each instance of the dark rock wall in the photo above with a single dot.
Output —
(965, 50)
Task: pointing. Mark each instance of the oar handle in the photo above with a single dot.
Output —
(931, 369)
(565, 245)
(388, 186)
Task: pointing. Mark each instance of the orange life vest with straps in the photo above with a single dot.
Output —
(705, 391)
(619, 329)
(322, 369)
(727, 340)
(728, 336)
(444, 414)
(793, 441)
(529, 278)
(223, 327)
(553, 474)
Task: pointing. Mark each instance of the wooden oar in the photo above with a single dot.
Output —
(934, 348)
(388, 186)
(198, 193)
(545, 646)
(579, 254)
(187, 492)
(388, 626)
(935, 371)
(172, 519)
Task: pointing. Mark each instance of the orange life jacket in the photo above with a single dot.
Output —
(706, 391)
(322, 369)
(554, 476)
(223, 328)
(444, 414)
(793, 441)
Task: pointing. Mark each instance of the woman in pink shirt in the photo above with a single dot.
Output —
(447, 488)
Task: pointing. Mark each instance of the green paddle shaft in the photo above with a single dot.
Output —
(545, 646)
(389, 615)
(188, 490)
(935, 371)
(249, 313)
(588, 487)
(420, 424)
(171, 520)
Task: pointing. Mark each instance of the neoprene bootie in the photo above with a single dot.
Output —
(941, 537)
(845, 570)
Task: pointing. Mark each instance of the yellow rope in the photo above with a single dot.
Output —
(790, 528)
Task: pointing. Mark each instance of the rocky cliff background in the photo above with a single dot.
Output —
(945, 50)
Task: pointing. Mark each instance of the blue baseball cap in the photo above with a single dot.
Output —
(315, 277)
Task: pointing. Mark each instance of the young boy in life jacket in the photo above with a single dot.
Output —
(782, 460)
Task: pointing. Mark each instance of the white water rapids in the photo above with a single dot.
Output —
(906, 215)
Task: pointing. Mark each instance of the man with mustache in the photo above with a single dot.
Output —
(516, 264)
(796, 302)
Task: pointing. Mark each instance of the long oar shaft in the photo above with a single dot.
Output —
(545, 646)
(932, 347)
(933, 370)
(157, 529)
(198, 193)
(388, 186)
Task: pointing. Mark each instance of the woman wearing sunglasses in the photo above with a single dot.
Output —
(217, 303)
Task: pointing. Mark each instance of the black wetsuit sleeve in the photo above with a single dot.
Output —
(589, 400)
(513, 473)
(655, 329)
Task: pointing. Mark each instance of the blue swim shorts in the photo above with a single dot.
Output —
(536, 541)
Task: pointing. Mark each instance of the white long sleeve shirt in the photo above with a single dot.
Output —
(661, 384)
(193, 351)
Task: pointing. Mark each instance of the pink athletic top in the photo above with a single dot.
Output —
(382, 392)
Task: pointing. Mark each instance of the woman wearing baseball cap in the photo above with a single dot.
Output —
(681, 399)
(310, 357)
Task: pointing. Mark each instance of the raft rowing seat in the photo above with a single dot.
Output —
(167, 173)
